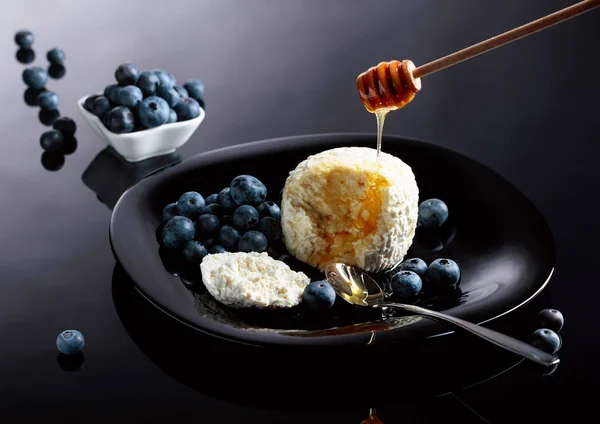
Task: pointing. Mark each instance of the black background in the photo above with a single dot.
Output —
(529, 110)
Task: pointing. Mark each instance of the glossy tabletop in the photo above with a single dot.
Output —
(528, 111)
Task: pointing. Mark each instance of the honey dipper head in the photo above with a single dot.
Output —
(389, 85)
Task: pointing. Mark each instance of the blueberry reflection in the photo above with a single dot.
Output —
(109, 175)
(30, 96)
(25, 56)
(71, 362)
(47, 117)
(53, 161)
(57, 71)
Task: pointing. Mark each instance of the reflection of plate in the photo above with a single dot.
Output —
(499, 239)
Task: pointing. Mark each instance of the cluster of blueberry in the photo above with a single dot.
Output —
(547, 338)
(143, 100)
(237, 219)
(441, 274)
(25, 54)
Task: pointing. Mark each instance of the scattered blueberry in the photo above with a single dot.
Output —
(87, 104)
(211, 199)
(24, 39)
(406, 284)
(443, 273)
(101, 106)
(169, 94)
(31, 94)
(52, 141)
(552, 319)
(187, 109)
(127, 74)
(319, 295)
(130, 96)
(47, 117)
(56, 71)
(194, 252)
(546, 340)
(269, 209)
(195, 89)
(172, 117)
(56, 56)
(248, 190)
(213, 209)
(270, 227)
(416, 265)
(217, 248)
(119, 120)
(253, 241)
(226, 200)
(111, 92)
(48, 100)
(245, 218)
(169, 212)
(432, 213)
(190, 204)
(148, 83)
(65, 125)
(53, 161)
(25, 55)
(35, 77)
(153, 111)
(70, 342)
(207, 225)
(181, 91)
(178, 231)
(166, 78)
(229, 238)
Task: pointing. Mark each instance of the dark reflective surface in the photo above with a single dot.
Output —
(271, 69)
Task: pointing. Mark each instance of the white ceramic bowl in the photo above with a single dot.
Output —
(140, 145)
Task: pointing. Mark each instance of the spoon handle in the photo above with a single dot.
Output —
(507, 342)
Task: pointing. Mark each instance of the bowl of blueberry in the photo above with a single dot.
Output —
(146, 114)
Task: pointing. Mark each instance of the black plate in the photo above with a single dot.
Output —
(499, 239)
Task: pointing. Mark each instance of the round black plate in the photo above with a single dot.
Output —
(499, 239)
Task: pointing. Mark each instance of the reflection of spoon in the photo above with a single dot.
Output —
(356, 287)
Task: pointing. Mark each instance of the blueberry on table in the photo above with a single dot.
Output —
(25, 55)
(127, 74)
(166, 78)
(53, 161)
(226, 201)
(270, 227)
(87, 103)
(211, 199)
(269, 209)
(213, 208)
(65, 125)
(187, 109)
(443, 273)
(552, 319)
(181, 91)
(432, 213)
(24, 39)
(248, 190)
(169, 94)
(172, 117)
(229, 238)
(119, 120)
(153, 112)
(319, 295)
(52, 141)
(416, 265)
(207, 225)
(56, 71)
(245, 218)
(194, 252)
(191, 204)
(169, 212)
(217, 248)
(111, 92)
(406, 284)
(195, 89)
(177, 232)
(48, 100)
(130, 96)
(70, 342)
(31, 94)
(253, 241)
(148, 82)
(56, 56)
(35, 77)
(100, 106)
(546, 340)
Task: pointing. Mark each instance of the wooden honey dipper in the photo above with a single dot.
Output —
(392, 85)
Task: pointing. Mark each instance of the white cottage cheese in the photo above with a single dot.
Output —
(252, 280)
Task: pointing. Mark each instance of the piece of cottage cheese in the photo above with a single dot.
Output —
(337, 208)
(252, 280)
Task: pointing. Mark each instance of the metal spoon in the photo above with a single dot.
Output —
(358, 288)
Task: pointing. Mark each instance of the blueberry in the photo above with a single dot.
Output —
(253, 241)
(119, 120)
(166, 78)
(273, 252)
(406, 284)
(213, 209)
(25, 55)
(47, 117)
(207, 225)
(30, 96)
(552, 319)
(226, 201)
(100, 106)
(52, 141)
(48, 100)
(181, 91)
(211, 199)
(65, 125)
(111, 92)
(172, 117)
(270, 227)
(245, 218)
(153, 111)
(56, 71)
(269, 209)
(319, 295)
(190, 204)
(53, 161)
(35, 77)
(70, 144)
(195, 89)
(130, 96)
(443, 273)
(217, 248)
(226, 219)
(87, 104)
(148, 83)
(70, 342)
(56, 56)
(178, 231)
(194, 252)
(229, 238)
(187, 109)
(416, 265)
(127, 74)
(432, 213)
(169, 212)
(546, 340)
(169, 94)
(209, 242)
(248, 190)
(24, 39)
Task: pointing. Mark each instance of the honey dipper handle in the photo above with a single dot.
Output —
(505, 38)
